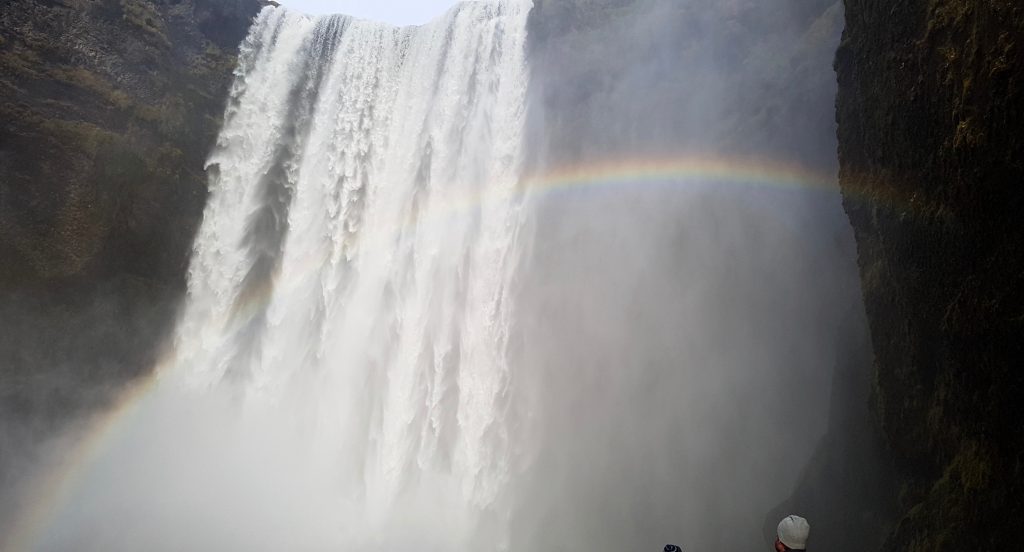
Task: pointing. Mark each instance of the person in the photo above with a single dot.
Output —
(792, 534)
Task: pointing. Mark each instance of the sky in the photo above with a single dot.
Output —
(396, 12)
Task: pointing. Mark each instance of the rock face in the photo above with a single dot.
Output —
(930, 112)
(108, 109)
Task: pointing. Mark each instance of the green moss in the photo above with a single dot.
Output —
(17, 114)
(168, 161)
(23, 63)
(143, 15)
(1002, 63)
(169, 116)
(213, 60)
(967, 135)
(946, 15)
(39, 44)
(951, 503)
(9, 88)
(77, 134)
(120, 167)
(975, 466)
(87, 80)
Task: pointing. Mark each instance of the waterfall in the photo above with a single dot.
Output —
(357, 251)
(394, 338)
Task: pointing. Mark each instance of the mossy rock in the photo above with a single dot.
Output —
(930, 149)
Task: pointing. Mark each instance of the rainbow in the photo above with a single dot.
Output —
(54, 492)
(681, 172)
(686, 170)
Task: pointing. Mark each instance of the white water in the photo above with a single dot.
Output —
(362, 365)
(356, 256)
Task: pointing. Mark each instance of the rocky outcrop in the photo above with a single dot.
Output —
(108, 110)
(932, 161)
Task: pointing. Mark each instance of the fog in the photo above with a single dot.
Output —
(612, 363)
(689, 332)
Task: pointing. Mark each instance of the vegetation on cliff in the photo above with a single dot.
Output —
(109, 108)
(932, 161)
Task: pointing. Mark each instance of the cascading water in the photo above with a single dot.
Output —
(358, 248)
(393, 339)
(340, 374)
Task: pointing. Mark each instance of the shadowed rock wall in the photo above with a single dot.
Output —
(930, 112)
(108, 110)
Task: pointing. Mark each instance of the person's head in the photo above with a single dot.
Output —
(792, 534)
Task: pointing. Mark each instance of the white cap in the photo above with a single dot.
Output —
(793, 532)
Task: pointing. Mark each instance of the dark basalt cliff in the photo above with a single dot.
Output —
(930, 113)
(108, 109)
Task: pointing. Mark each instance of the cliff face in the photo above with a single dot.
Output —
(932, 165)
(108, 109)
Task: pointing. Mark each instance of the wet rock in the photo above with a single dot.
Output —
(930, 111)
(108, 109)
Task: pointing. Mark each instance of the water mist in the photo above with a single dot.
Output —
(427, 311)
